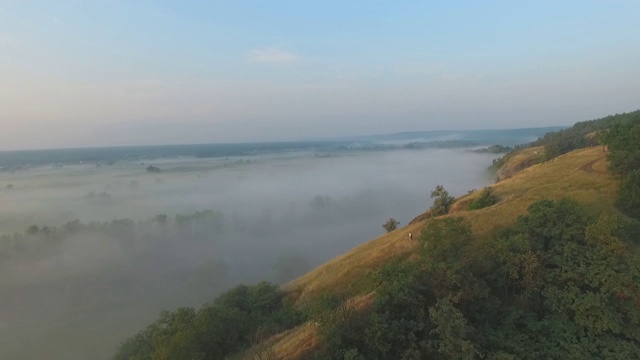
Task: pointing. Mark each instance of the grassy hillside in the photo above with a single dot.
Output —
(520, 160)
(542, 264)
(580, 175)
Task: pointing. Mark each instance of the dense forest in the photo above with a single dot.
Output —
(562, 282)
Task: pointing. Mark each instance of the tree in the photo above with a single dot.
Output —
(629, 195)
(452, 331)
(623, 140)
(552, 223)
(552, 151)
(218, 329)
(153, 169)
(448, 257)
(32, 230)
(442, 201)
(391, 224)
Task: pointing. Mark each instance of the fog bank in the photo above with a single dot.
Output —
(227, 221)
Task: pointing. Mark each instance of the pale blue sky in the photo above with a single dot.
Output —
(82, 73)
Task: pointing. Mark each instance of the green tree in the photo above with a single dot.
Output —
(552, 151)
(590, 295)
(623, 140)
(452, 331)
(390, 225)
(442, 201)
(628, 199)
(550, 223)
(216, 330)
(449, 258)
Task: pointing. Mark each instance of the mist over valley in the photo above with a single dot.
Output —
(92, 251)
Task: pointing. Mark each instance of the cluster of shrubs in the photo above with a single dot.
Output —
(486, 198)
(227, 325)
(532, 291)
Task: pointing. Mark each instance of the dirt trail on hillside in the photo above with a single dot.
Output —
(588, 167)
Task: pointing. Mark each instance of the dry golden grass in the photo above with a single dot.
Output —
(295, 343)
(341, 273)
(520, 161)
(581, 175)
(299, 342)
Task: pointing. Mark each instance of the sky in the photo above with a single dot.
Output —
(115, 72)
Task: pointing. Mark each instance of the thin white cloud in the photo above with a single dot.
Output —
(272, 55)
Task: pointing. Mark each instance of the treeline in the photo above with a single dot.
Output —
(582, 134)
(557, 284)
(38, 241)
(623, 142)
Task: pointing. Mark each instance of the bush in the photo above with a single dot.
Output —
(223, 327)
(390, 225)
(442, 201)
(486, 198)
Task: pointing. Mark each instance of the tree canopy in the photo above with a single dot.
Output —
(215, 331)
(442, 201)
(558, 284)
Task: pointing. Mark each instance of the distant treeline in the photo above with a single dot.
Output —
(582, 134)
(36, 238)
(78, 264)
(109, 155)
(494, 149)
(419, 140)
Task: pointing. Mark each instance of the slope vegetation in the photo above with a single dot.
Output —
(580, 175)
(542, 264)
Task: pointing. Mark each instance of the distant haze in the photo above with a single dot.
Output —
(274, 217)
(101, 73)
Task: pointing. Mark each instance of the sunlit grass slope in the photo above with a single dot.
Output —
(581, 175)
(520, 160)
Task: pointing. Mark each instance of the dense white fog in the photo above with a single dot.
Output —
(272, 218)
